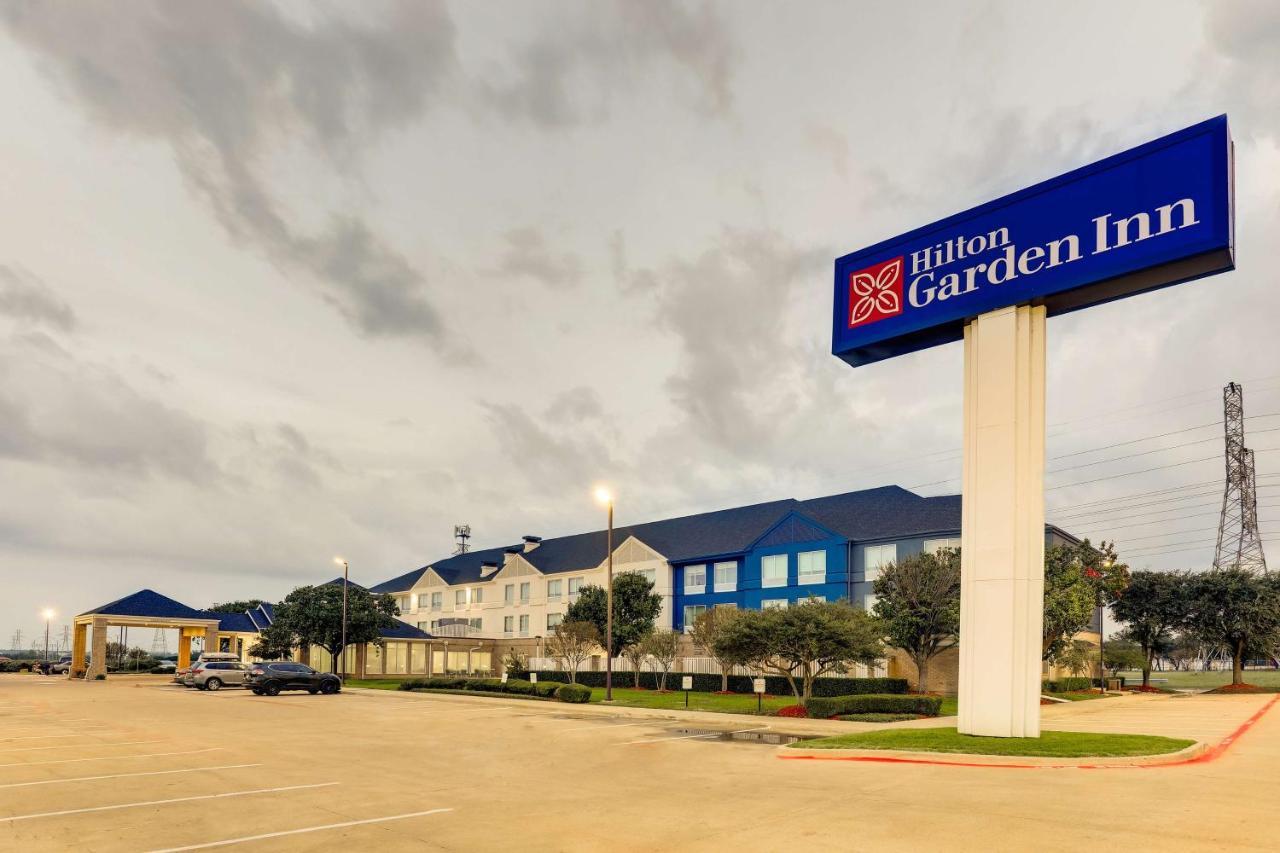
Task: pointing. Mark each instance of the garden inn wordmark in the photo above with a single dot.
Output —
(876, 292)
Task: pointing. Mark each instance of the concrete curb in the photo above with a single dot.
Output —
(895, 756)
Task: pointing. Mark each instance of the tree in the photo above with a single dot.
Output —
(1076, 656)
(313, 616)
(1121, 654)
(573, 642)
(1153, 605)
(918, 602)
(636, 655)
(1238, 609)
(635, 608)
(663, 646)
(706, 628)
(1185, 648)
(1077, 578)
(803, 642)
(275, 642)
(238, 606)
(515, 664)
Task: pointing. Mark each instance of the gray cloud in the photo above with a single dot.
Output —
(527, 254)
(578, 65)
(1243, 37)
(25, 297)
(227, 84)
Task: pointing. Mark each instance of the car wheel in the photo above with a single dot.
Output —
(329, 688)
(313, 690)
(256, 691)
(213, 684)
(272, 690)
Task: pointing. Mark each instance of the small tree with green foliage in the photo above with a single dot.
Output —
(635, 609)
(237, 606)
(1077, 578)
(636, 655)
(706, 628)
(804, 642)
(1237, 609)
(573, 642)
(313, 615)
(1120, 654)
(662, 645)
(1152, 607)
(1075, 657)
(515, 664)
(918, 603)
(275, 642)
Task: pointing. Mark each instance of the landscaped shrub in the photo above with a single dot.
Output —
(1066, 685)
(792, 711)
(521, 688)
(876, 718)
(831, 706)
(547, 688)
(487, 685)
(774, 685)
(159, 670)
(572, 692)
(100, 677)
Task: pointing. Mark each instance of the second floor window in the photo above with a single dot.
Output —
(524, 594)
(437, 600)
(726, 577)
(460, 598)
(554, 619)
(773, 570)
(508, 624)
(876, 557)
(477, 595)
(812, 566)
(575, 584)
(423, 600)
(691, 614)
(524, 625)
(509, 593)
(695, 578)
(553, 590)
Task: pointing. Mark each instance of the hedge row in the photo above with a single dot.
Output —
(545, 690)
(831, 706)
(1066, 685)
(774, 684)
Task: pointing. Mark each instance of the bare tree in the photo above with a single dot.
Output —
(635, 655)
(704, 632)
(573, 643)
(663, 645)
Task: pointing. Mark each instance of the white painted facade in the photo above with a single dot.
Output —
(518, 601)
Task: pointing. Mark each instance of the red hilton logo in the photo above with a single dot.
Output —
(875, 292)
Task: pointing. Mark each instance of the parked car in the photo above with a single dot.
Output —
(62, 667)
(216, 674)
(166, 665)
(183, 676)
(271, 677)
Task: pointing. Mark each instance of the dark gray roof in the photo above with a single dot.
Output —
(884, 513)
(401, 582)
(238, 622)
(149, 603)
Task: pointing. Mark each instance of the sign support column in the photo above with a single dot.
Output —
(1002, 532)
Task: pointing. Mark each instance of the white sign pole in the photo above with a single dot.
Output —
(1002, 532)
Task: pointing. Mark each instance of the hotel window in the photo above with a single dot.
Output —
(437, 600)
(876, 557)
(933, 546)
(773, 570)
(404, 602)
(524, 594)
(476, 624)
(554, 619)
(726, 577)
(509, 593)
(553, 590)
(508, 625)
(524, 624)
(773, 604)
(695, 578)
(575, 584)
(460, 598)
(423, 626)
(691, 614)
(477, 595)
(423, 601)
(813, 566)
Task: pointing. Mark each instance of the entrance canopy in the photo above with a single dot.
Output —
(144, 609)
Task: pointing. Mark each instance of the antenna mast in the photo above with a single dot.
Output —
(462, 534)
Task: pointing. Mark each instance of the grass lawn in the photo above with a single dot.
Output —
(1080, 697)
(1054, 744)
(375, 683)
(1205, 680)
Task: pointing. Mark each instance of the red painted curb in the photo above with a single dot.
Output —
(1211, 754)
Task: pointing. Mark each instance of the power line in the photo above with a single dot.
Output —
(1105, 513)
(1217, 484)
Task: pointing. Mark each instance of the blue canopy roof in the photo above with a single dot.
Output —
(148, 603)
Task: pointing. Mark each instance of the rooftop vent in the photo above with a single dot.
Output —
(531, 542)
(487, 568)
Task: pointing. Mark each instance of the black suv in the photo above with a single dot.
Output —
(273, 676)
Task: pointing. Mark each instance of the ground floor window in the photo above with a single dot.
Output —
(397, 657)
(773, 604)
(691, 614)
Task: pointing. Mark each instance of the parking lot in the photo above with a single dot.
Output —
(138, 764)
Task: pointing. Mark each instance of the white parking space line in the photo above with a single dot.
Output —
(124, 775)
(694, 737)
(113, 757)
(223, 796)
(78, 746)
(306, 829)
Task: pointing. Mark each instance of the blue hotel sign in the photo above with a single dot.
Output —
(1155, 215)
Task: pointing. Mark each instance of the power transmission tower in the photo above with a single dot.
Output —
(159, 644)
(16, 643)
(1239, 544)
(462, 533)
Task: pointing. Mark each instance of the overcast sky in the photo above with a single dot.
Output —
(284, 282)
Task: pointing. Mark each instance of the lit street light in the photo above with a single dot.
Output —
(603, 496)
(343, 650)
(48, 615)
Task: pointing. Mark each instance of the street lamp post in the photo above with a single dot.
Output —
(48, 615)
(343, 649)
(605, 498)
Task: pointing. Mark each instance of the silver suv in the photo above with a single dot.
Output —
(216, 674)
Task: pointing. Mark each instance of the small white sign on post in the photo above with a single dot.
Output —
(533, 678)
(504, 678)
(686, 683)
(757, 685)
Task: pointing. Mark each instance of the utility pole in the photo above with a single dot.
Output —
(1239, 543)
